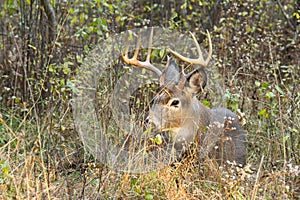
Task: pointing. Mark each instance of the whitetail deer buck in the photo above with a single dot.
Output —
(176, 109)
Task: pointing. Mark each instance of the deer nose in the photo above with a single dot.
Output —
(147, 120)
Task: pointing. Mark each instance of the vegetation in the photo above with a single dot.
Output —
(43, 45)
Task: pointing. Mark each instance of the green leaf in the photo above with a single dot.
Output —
(5, 169)
(262, 112)
(248, 28)
(234, 106)
(257, 83)
(149, 197)
(51, 69)
(148, 130)
(162, 53)
(206, 103)
(183, 6)
(71, 85)
(133, 181)
(285, 138)
(270, 95)
(158, 139)
(265, 85)
(279, 90)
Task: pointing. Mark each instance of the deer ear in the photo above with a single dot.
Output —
(197, 81)
(171, 73)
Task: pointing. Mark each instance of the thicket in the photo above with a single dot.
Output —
(43, 44)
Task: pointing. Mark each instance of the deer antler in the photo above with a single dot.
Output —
(199, 60)
(143, 64)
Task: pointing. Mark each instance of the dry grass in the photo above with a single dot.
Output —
(33, 168)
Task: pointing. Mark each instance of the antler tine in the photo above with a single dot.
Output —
(143, 64)
(125, 56)
(149, 46)
(199, 60)
(137, 48)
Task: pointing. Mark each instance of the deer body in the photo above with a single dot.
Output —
(176, 109)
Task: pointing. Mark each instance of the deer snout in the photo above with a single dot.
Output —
(157, 118)
(149, 122)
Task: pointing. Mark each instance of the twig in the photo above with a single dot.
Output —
(254, 191)
(285, 15)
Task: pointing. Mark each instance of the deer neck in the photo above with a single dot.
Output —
(204, 115)
(201, 117)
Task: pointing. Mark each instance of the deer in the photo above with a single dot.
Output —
(177, 110)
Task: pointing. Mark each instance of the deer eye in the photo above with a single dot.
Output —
(174, 103)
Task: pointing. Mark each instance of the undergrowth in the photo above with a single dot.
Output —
(256, 50)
